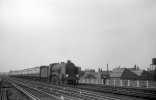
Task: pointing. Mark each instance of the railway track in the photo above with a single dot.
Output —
(34, 92)
(77, 93)
(122, 93)
(136, 92)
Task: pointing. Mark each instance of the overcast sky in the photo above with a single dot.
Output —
(91, 33)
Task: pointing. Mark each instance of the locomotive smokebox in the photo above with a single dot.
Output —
(153, 61)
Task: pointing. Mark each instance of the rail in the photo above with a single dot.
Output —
(32, 97)
(51, 92)
(82, 94)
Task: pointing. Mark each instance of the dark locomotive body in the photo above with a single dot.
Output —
(63, 73)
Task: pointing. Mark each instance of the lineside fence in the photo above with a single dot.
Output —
(119, 82)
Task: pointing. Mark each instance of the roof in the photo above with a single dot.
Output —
(104, 72)
(89, 75)
(138, 72)
(117, 72)
(95, 75)
(123, 73)
(143, 75)
(92, 75)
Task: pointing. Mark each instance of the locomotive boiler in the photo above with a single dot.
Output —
(64, 73)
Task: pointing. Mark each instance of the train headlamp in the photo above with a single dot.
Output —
(77, 75)
(66, 75)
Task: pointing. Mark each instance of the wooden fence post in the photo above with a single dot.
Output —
(114, 82)
(121, 82)
(147, 84)
(138, 83)
(92, 80)
(128, 83)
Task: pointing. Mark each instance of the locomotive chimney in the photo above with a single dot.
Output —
(68, 61)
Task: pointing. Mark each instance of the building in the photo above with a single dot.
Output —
(92, 74)
(128, 74)
(142, 74)
(123, 73)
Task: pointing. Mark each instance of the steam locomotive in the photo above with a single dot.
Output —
(58, 73)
